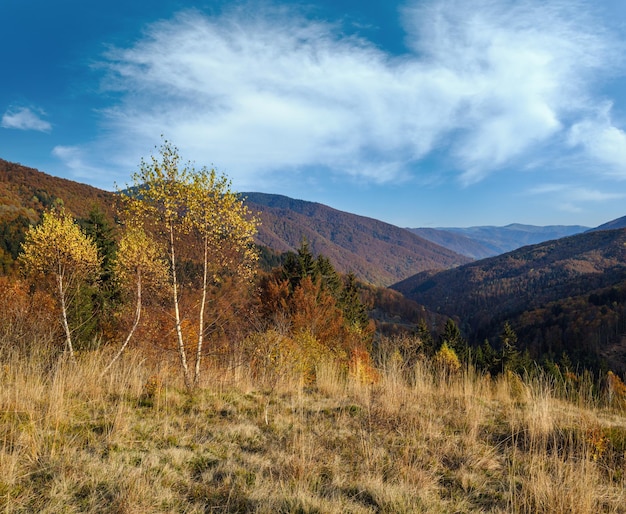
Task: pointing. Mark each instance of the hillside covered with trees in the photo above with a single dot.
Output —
(376, 252)
(560, 296)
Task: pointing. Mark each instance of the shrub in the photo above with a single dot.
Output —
(447, 360)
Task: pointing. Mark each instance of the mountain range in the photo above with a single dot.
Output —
(488, 241)
(566, 293)
(376, 252)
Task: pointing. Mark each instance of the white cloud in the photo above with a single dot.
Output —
(264, 92)
(602, 140)
(521, 69)
(24, 118)
(570, 198)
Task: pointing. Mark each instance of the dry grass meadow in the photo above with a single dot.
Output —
(417, 440)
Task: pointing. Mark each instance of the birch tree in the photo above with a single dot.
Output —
(138, 265)
(58, 248)
(199, 208)
(225, 229)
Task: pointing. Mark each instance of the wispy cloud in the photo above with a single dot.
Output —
(520, 70)
(577, 193)
(602, 140)
(264, 93)
(75, 159)
(25, 118)
(571, 198)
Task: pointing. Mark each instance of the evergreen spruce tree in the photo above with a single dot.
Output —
(489, 360)
(452, 337)
(426, 338)
(509, 351)
(300, 265)
(324, 271)
(354, 311)
(97, 304)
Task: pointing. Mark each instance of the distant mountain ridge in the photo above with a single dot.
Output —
(375, 251)
(456, 242)
(488, 241)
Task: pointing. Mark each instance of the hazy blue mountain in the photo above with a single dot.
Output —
(488, 241)
(456, 242)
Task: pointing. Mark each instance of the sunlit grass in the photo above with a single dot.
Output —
(418, 440)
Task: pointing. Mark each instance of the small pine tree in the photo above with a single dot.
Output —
(325, 272)
(424, 335)
(354, 311)
(99, 303)
(299, 265)
(510, 352)
(487, 358)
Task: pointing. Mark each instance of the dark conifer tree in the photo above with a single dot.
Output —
(487, 358)
(354, 311)
(452, 337)
(299, 265)
(95, 305)
(509, 351)
(424, 335)
(325, 272)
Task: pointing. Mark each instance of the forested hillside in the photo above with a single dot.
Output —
(374, 251)
(565, 295)
(26, 192)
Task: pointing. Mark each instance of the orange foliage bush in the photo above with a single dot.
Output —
(308, 303)
(316, 311)
(27, 320)
(362, 368)
(616, 389)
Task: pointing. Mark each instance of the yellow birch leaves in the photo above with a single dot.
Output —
(58, 246)
(139, 258)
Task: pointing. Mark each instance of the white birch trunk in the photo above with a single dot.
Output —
(66, 327)
(196, 377)
(132, 330)
(179, 333)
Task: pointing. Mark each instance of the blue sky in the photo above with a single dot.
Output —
(419, 113)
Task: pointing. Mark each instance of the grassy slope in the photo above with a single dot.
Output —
(134, 442)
